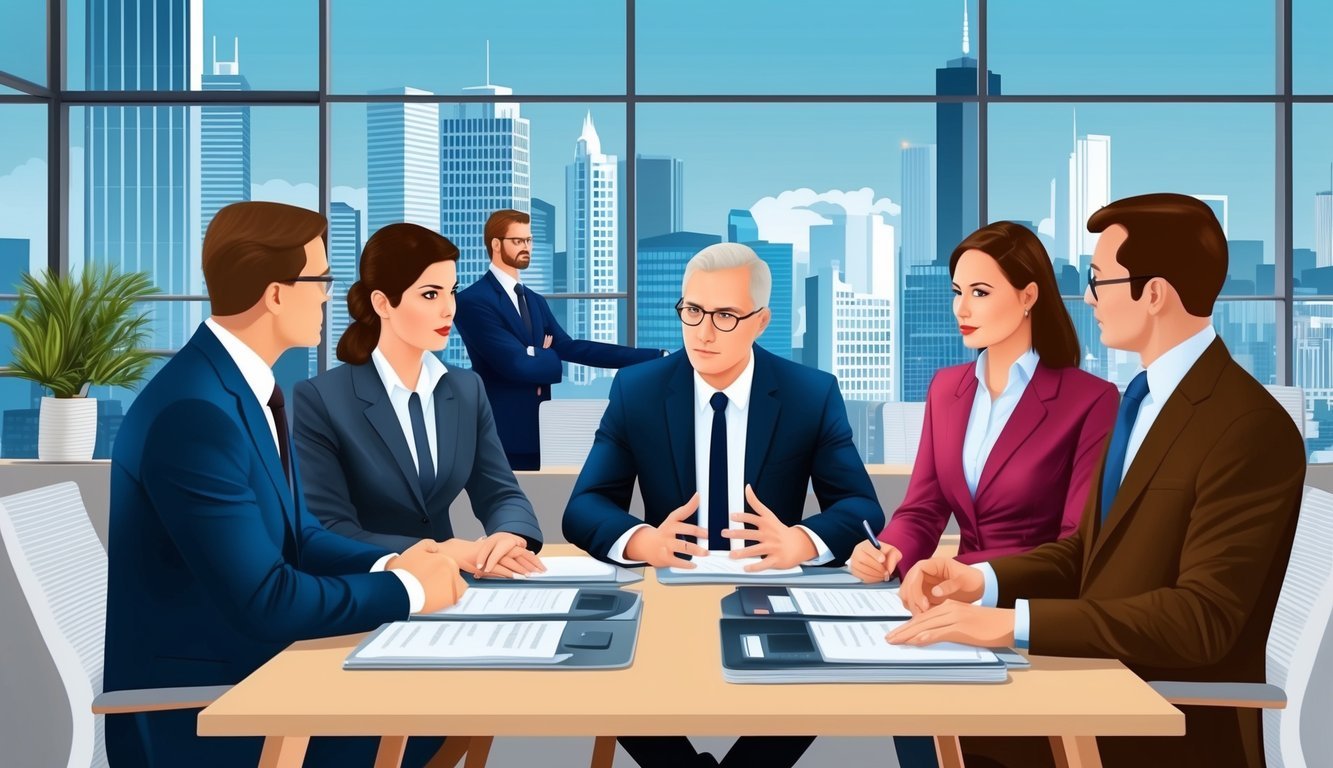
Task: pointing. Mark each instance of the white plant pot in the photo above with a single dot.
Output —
(67, 430)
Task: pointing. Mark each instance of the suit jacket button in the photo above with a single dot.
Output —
(425, 520)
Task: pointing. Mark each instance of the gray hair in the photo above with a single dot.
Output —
(729, 256)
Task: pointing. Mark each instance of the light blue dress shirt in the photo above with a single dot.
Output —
(989, 417)
(1164, 375)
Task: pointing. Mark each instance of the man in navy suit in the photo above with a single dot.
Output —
(722, 428)
(215, 564)
(515, 344)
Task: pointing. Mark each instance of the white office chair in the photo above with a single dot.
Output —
(902, 431)
(61, 568)
(1296, 646)
(567, 430)
(1293, 400)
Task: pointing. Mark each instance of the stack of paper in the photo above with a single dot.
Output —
(721, 563)
(847, 602)
(416, 644)
(492, 601)
(574, 568)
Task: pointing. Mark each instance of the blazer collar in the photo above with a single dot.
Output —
(1023, 423)
(507, 311)
(369, 388)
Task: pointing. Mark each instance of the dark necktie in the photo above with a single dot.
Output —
(425, 465)
(718, 513)
(522, 296)
(1124, 424)
(278, 405)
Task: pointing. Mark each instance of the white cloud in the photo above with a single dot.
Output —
(279, 191)
(23, 207)
(788, 217)
(1046, 227)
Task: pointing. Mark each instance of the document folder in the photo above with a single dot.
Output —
(580, 645)
(575, 569)
(586, 604)
(863, 602)
(766, 650)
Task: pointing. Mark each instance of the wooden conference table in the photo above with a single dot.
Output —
(674, 687)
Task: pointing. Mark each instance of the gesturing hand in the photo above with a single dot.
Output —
(780, 546)
(659, 546)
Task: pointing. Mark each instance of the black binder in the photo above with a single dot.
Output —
(755, 602)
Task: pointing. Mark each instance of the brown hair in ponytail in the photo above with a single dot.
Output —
(393, 259)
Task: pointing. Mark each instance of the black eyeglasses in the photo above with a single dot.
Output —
(327, 280)
(1093, 282)
(722, 320)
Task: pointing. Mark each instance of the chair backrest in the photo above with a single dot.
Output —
(567, 430)
(1293, 399)
(61, 568)
(1297, 636)
(902, 431)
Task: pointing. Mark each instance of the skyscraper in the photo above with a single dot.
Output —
(956, 191)
(137, 158)
(402, 162)
(741, 226)
(540, 272)
(850, 335)
(591, 204)
(344, 258)
(1220, 205)
(14, 392)
(778, 256)
(661, 267)
(932, 340)
(1323, 229)
(1089, 189)
(224, 141)
(918, 206)
(660, 192)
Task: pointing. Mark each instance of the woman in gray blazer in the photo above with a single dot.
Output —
(387, 441)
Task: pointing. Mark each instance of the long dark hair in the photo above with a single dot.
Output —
(393, 259)
(1023, 260)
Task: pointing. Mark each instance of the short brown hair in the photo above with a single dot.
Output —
(498, 224)
(1024, 260)
(393, 259)
(250, 245)
(1174, 237)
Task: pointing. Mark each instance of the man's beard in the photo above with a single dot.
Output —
(519, 261)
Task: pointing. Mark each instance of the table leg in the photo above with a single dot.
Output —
(477, 752)
(1076, 752)
(283, 751)
(603, 751)
(949, 752)
(450, 753)
(390, 754)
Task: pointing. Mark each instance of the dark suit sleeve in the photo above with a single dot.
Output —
(196, 470)
(596, 515)
(1097, 423)
(489, 342)
(845, 493)
(916, 526)
(1248, 495)
(496, 499)
(594, 353)
(327, 496)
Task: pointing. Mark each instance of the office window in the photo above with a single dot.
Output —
(596, 320)
(23, 40)
(1310, 22)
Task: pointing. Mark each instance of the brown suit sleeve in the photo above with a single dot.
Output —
(1050, 571)
(1247, 497)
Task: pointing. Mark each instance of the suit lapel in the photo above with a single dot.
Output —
(446, 432)
(679, 412)
(955, 434)
(252, 415)
(380, 414)
(1171, 421)
(763, 417)
(1027, 416)
(507, 310)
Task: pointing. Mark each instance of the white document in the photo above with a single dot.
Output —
(848, 602)
(863, 642)
(575, 567)
(490, 601)
(466, 640)
(721, 563)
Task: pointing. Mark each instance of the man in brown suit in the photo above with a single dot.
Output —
(1177, 565)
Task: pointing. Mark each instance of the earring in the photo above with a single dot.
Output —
(1025, 313)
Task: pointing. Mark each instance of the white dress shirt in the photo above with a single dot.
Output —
(737, 416)
(1164, 376)
(507, 282)
(259, 376)
(989, 417)
(432, 370)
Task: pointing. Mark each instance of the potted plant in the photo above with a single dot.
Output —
(71, 333)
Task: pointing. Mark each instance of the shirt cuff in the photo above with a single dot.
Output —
(666, 353)
(617, 551)
(1022, 623)
(990, 593)
(416, 594)
(532, 352)
(822, 553)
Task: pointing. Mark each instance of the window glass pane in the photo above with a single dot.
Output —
(1054, 165)
(23, 40)
(449, 167)
(1133, 46)
(1310, 22)
(534, 47)
(595, 320)
(163, 46)
(1312, 199)
(1312, 361)
(850, 46)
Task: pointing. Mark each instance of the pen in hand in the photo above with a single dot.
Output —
(870, 534)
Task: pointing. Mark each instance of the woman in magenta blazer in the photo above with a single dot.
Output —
(1010, 442)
